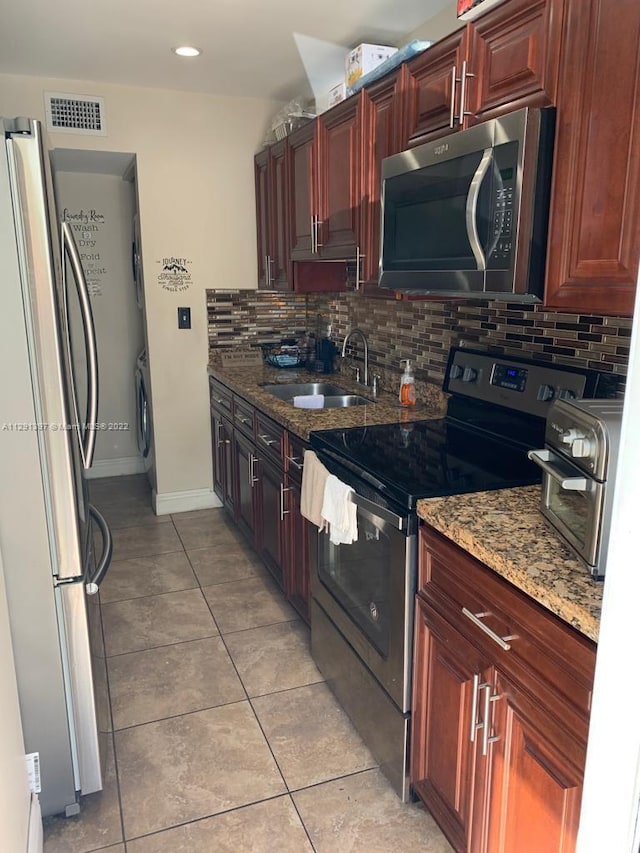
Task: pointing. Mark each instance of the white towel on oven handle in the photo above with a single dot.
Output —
(339, 511)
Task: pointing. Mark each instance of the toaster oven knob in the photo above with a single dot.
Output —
(455, 372)
(571, 435)
(581, 448)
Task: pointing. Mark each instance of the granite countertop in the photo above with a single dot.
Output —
(506, 531)
(247, 382)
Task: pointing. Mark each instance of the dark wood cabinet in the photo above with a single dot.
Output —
(381, 137)
(431, 90)
(594, 231)
(302, 198)
(500, 708)
(221, 437)
(297, 529)
(505, 60)
(270, 532)
(272, 217)
(245, 482)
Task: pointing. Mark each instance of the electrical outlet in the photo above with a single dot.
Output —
(184, 318)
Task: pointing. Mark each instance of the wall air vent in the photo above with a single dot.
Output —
(75, 114)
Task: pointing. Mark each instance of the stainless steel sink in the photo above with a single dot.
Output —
(335, 397)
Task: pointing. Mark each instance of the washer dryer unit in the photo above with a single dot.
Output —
(144, 424)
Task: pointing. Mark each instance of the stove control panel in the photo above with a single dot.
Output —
(525, 385)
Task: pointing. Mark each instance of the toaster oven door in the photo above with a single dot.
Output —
(573, 502)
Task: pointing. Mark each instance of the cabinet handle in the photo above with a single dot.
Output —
(283, 511)
(359, 257)
(476, 619)
(252, 477)
(244, 420)
(475, 725)
(298, 465)
(270, 279)
(463, 86)
(487, 724)
(454, 80)
(223, 402)
(318, 224)
(267, 439)
(313, 235)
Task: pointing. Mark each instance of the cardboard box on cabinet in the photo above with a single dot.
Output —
(364, 58)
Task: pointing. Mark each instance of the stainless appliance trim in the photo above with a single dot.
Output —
(86, 432)
(471, 217)
(28, 188)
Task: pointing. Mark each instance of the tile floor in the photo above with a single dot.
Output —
(225, 738)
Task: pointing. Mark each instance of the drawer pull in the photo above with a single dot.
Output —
(267, 440)
(488, 722)
(244, 420)
(476, 618)
(295, 463)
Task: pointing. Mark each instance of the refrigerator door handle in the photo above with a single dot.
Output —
(87, 434)
(93, 583)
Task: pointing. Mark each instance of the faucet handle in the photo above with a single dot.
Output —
(356, 370)
(375, 383)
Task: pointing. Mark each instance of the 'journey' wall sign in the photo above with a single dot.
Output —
(174, 275)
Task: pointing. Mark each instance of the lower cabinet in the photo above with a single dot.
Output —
(500, 709)
(258, 476)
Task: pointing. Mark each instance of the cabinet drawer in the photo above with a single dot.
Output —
(545, 655)
(269, 438)
(243, 416)
(294, 456)
(220, 396)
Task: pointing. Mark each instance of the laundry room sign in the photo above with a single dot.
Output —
(87, 225)
(174, 274)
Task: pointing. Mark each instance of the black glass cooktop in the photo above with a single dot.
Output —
(408, 461)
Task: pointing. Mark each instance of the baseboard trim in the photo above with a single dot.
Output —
(170, 502)
(115, 467)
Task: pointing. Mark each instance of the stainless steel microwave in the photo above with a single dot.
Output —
(466, 215)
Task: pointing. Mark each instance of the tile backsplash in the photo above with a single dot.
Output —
(423, 330)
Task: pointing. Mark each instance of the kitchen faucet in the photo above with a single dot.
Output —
(347, 338)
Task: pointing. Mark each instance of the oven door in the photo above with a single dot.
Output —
(367, 590)
(573, 502)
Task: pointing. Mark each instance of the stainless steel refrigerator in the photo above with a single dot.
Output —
(48, 422)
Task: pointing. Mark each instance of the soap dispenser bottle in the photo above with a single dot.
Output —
(407, 385)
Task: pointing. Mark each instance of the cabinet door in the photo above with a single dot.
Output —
(447, 677)
(221, 433)
(514, 56)
(302, 191)
(245, 479)
(270, 519)
(431, 90)
(382, 137)
(297, 542)
(339, 180)
(261, 164)
(280, 237)
(535, 786)
(594, 231)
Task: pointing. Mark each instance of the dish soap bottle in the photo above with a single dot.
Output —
(407, 385)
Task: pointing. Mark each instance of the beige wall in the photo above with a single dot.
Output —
(439, 26)
(196, 199)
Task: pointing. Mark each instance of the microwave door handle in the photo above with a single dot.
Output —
(472, 208)
(542, 459)
(88, 436)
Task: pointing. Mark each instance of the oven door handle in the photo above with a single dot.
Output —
(471, 213)
(372, 509)
(542, 459)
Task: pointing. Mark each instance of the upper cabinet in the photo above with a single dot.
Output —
(505, 60)
(322, 185)
(272, 217)
(326, 185)
(594, 233)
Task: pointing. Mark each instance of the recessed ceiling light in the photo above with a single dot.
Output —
(187, 50)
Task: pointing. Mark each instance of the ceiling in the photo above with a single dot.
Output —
(250, 48)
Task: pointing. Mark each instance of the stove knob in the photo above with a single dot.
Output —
(581, 448)
(566, 394)
(455, 372)
(469, 374)
(546, 392)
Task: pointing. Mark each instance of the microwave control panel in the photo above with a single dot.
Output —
(503, 222)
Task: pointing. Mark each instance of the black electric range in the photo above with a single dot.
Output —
(496, 413)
